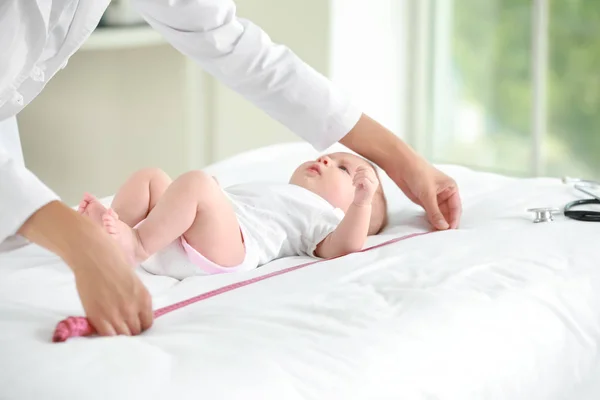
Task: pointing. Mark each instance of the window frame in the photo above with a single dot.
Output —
(429, 22)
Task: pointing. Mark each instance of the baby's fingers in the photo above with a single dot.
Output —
(365, 177)
(358, 179)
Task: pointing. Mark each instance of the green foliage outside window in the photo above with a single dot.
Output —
(492, 64)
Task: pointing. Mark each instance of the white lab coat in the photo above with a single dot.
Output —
(38, 37)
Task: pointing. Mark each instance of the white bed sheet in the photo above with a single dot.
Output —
(499, 309)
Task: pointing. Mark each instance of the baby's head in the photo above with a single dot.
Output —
(331, 177)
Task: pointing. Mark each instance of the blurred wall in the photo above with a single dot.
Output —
(303, 26)
(111, 112)
(106, 115)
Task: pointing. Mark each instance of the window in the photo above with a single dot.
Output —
(512, 86)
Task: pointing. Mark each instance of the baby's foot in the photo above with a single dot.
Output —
(125, 236)
(92, 208)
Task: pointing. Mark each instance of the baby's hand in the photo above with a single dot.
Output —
(365, 183)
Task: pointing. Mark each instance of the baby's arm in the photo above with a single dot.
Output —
(349, 236)
(351, 233)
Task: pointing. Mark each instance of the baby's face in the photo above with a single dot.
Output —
(330, 177)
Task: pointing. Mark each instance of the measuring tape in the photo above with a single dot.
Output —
(80, 326)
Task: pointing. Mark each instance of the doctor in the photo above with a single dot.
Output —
(36, 40)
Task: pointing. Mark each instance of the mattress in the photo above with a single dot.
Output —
(501, 308)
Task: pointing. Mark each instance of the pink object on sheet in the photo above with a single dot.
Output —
(80, 326)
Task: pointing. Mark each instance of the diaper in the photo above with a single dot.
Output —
(179, 260)
(209, 267)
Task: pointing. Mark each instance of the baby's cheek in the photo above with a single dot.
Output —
(337, 197)
(346, 196)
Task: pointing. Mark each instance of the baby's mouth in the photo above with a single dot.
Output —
(315, 169)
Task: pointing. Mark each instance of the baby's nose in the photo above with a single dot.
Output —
(325, 160)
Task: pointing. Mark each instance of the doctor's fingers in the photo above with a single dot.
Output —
(146, 318)
(121, 328)
(454, 209)
(103, 328)
(134, 324)
(436, 218)
(451, 206)
(140, 319)
(128, 322)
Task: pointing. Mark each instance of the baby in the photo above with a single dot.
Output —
(327, 210)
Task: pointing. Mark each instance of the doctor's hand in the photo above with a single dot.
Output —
(430, 188)
(420, 181)
(113, 297)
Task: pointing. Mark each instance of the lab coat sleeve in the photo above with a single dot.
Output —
(242, 56)
(21, 195)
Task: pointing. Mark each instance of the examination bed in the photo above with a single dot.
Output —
(501, 308)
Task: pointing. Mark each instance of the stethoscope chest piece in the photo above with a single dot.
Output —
(544, 214)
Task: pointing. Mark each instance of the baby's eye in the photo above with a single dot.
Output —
(344, 169)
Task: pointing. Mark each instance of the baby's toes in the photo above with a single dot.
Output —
(113, 214)
(109, 223)
(82, 207)
(88, 197)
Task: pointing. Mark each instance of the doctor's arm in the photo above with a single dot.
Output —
(242, 56)
(114, 299)
(420, 181)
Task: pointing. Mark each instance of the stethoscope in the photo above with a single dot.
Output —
(584, 186)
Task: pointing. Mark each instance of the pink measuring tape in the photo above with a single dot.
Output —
(80, 326)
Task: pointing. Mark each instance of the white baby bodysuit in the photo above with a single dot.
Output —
(280, 220)
(276, 220)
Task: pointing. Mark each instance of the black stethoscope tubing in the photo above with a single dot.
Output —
(582, 215)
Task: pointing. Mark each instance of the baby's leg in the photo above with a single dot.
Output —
(139, 194)
(193, 206)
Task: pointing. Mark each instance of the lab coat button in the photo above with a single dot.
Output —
(17, 99)
(37, 74)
